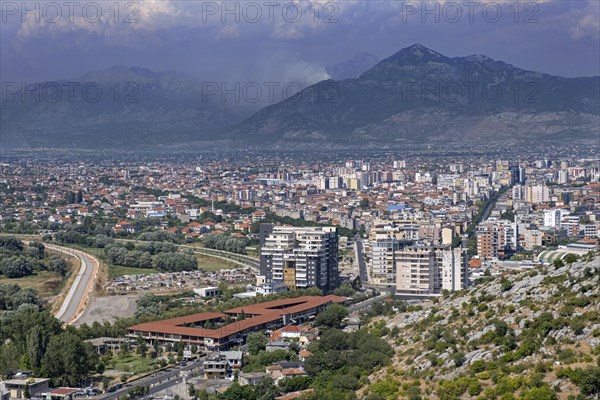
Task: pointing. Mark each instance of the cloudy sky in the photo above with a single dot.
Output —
(284, 40)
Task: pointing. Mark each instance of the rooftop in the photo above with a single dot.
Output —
(263, 313)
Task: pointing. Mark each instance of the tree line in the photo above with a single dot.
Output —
(226, 243)
(32, 339)
(18, 260)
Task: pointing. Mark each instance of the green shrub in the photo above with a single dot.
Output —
(478, 366)
(505, 284)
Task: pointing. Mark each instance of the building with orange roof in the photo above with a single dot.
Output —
(215, 331)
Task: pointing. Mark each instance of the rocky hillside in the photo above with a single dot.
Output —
(535, 335)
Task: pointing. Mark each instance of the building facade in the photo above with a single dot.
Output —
(427, 270)
(383, 260)
(299, 257)
(491, 240)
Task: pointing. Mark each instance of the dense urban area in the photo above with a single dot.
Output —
(374, 275)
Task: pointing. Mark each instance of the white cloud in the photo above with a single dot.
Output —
(229, 31)
(100, 17)
(588, 26)
(304, 73)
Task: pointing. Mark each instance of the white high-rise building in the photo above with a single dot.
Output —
(553, 218)
(299, 257)
(454, 269)
(430, 269)
(563, 176)
(383, 260)
(537, 194)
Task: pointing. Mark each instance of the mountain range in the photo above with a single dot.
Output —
(116, 107)
(420, 96)
(417, 96)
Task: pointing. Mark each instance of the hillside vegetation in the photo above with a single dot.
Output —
(531, 336)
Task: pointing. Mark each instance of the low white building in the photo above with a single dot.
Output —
(210, 291)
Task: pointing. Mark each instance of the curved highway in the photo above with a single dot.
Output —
(75, 300)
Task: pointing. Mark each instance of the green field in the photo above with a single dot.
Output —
(131, 363)
(117, 270)
(46, 283)
(206, 263)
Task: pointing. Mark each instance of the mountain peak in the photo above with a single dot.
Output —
(418, 46)
(121, 73)
(479, 58)
(416, 53)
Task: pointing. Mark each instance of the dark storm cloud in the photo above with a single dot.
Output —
(288, 41)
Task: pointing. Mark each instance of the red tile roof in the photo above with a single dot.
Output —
(264, 313)
(63, 391)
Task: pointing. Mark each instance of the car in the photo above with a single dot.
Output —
(118, 386)
(183, 363)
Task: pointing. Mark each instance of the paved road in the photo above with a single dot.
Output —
(79, 291)
(360, 259)
(157, 382)
(367, 303)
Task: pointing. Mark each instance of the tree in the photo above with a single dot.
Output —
(332, 316)
(539, 393)
(256, 342)
(345, 290)
(589, 381)
(505, 284)
(106, 380)
(459, 358)
(558, 263)
(67, 359)
(57, 264)
(413, 393)
(142, 347)
(175, 262)
(36, 347)
(9, 359)
(12, 296)
(570, 258)
(100, 368)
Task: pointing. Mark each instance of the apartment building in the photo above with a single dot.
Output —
(454, 271)
(383, 260)
(426, 270)
(222, 365)
(491, 240)
(537, 194)
(299, 257)
(398, 229)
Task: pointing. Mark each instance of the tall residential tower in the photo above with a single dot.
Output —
(299, 257)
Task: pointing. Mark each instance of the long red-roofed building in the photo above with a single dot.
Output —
(268, 315)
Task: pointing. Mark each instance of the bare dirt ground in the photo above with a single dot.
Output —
(108, 308)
